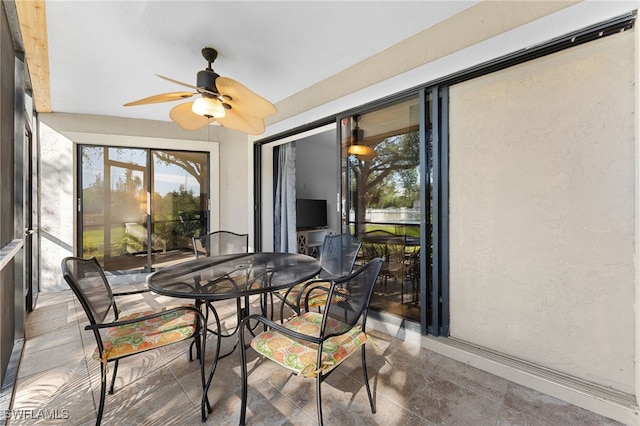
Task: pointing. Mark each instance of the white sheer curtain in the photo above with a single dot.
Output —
(284, 220)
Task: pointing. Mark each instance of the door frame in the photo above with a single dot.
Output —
(144, 142)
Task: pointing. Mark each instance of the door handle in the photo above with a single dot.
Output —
(28, 232)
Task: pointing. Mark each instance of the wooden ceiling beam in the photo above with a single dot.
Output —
(32, 17)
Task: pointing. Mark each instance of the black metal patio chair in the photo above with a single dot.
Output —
(214, 244)
(119, 337)
(220, 242)
(313, 344)
(337, 257)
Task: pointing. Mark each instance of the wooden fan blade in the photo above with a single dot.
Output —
(186, 118)
(247, 101)
(164, 97)
(177, 82)
(244, 123)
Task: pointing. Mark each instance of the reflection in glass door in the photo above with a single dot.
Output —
(381, 200)
(126, 234)
(122, 225)
(180, 203)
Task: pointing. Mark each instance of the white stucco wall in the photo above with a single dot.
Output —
(236, 183)
(542, 211)
(56, 206)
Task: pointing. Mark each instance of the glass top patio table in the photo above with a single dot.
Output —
(233, 275)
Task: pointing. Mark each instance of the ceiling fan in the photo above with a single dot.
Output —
(220, 99)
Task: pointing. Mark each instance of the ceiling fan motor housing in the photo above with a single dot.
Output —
(206, 79)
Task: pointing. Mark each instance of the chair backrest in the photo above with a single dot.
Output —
(395, 251)
(349, 297)
(379, 233)
(381, 243)
(338, 255)
(220, 242)
(88, 282)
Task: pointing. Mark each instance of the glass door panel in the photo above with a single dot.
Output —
(381, 184)
(92, 202)
(180, 203)
(128, 237)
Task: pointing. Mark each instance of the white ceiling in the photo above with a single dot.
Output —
(105, 53)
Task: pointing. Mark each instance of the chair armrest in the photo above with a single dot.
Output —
(311, 289)
(308, 286)
(337, 298)
(146, 317)
(280, 328)
(130, 292)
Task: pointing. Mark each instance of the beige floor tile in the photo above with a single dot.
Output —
(61, 392)
(51, 318)
(39, 361)
(153, 400)
(411, 385)
(443, 402)
(62, 336)
(547, 409)
(405, 370)
(509, 416)
(476, 380)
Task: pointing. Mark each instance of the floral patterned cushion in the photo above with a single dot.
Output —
(147, 334)
(317, 298)
(301, 356)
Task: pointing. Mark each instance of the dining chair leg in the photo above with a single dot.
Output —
(243, 374)
(113, 377)
(282, 309)
(103, 391)
(366, 380)
(319, 397)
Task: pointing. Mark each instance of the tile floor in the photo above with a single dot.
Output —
(58, 383)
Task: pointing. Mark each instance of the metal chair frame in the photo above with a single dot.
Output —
(214, 244)
(347, 301)
(77, 270)
(224, 242)
(337, 257)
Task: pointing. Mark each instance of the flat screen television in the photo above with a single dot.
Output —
(311, 213)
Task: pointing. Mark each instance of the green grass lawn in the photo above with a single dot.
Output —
(408, 230)
(93, 241)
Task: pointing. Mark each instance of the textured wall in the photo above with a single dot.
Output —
(542, 211)
(56, 206)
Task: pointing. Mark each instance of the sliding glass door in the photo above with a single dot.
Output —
(381, 178)
(392, 195)
(139, 208)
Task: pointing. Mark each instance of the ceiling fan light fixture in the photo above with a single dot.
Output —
(361, 151)
(208, 107)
